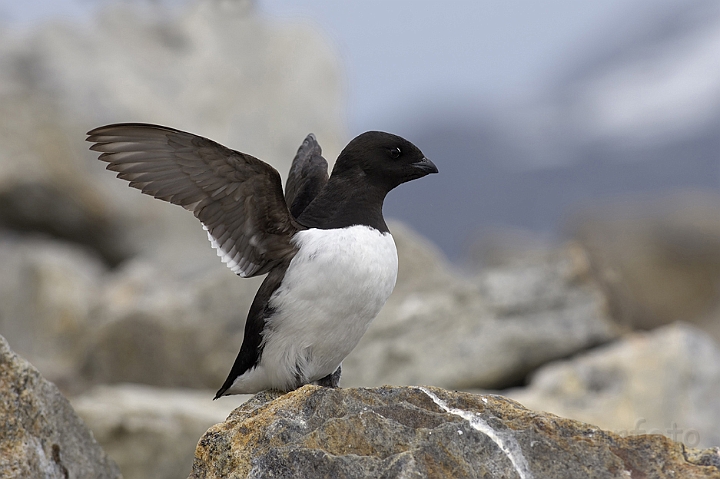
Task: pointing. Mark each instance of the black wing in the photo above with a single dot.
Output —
(308, 175)
(237, 197)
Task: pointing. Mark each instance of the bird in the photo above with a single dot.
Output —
(328, 256)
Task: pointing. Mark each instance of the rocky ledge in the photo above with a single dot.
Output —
(427, 432)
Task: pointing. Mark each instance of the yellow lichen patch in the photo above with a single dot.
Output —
(364, 434)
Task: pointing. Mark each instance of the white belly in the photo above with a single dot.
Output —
(334, 287)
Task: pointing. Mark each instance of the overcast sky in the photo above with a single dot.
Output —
(397, 53)
(404, 54)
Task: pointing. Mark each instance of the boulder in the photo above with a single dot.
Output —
(488, 331)
(151, 432)
(666, 381)
(427, 432)
(157, 328)
(657, 258)
(48, 292)
(40, 434)
(73, 212)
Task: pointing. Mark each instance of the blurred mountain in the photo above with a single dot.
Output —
(637, 113)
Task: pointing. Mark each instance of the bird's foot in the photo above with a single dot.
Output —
(331, 380)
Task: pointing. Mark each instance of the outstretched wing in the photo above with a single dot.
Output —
(308, 175)
(237, 197)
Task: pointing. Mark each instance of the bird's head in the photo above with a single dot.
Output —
(385, 159)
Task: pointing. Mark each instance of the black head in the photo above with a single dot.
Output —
(385, 159)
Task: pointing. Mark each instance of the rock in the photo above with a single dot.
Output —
(484, 332)
(666, 381)
(40, 435)
(427, 432)
(48, 292)
(657, 259)
(157, 328)
(70, 212)
(421, 265)
(151, 432)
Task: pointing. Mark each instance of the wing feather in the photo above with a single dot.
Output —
(237, 197)
(308, 175)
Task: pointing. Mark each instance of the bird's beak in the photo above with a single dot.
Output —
(426, 166)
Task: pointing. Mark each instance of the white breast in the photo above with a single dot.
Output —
(334, 287)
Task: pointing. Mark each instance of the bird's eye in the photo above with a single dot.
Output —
(395, 153)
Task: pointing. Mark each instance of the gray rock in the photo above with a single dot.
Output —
(156, 328)
(40, 434)
(70, 212)
(151, 432)
(658, 259)
(48, 291)
(666, 382)
(484, 332)
(427, 432)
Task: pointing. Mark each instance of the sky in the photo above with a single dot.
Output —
(452, 54)
(402, 53)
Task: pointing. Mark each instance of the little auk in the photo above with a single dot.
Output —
(330, 260)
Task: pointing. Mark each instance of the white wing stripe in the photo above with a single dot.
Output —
(232, 259)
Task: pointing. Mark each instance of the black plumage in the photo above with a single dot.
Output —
(308, 175)
(237, 197)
